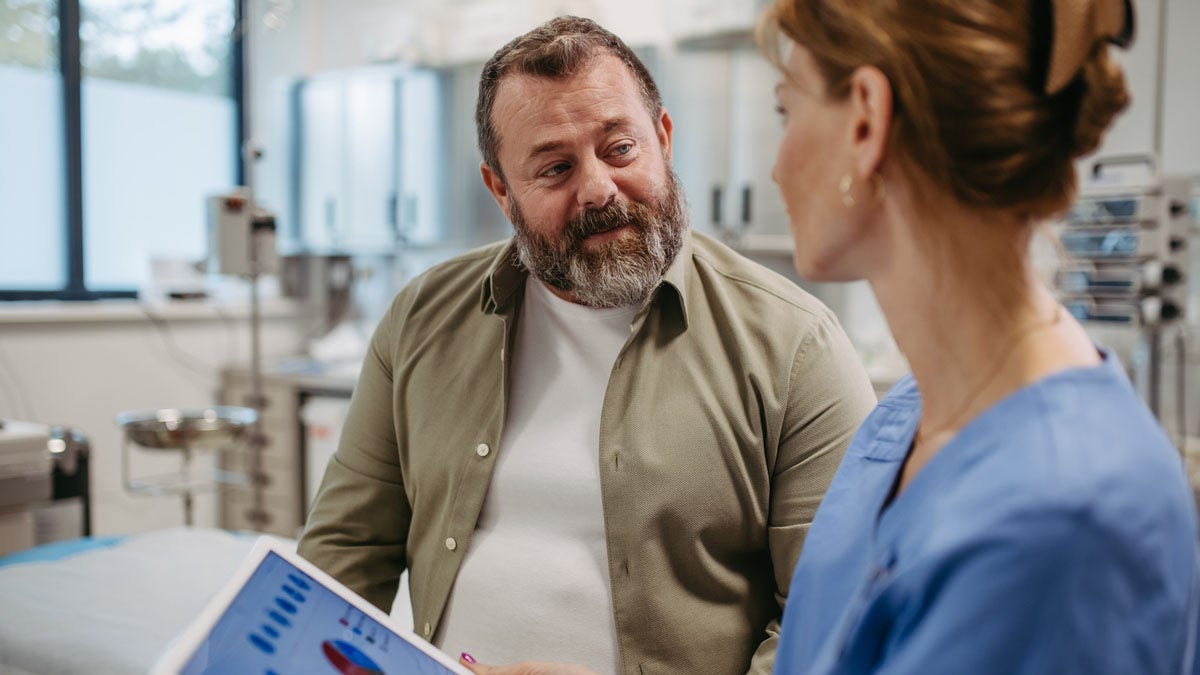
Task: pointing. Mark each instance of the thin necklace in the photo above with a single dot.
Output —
(993, 372)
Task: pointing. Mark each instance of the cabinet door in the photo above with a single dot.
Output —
(322, 161)
(697, 96)
(421, 153)
(755, 131)
(370, 171)
(726, 137)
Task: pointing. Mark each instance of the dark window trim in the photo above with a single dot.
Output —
(70, 52)
(241, 24)
(65, 294)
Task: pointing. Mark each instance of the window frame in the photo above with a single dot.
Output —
(70, 50)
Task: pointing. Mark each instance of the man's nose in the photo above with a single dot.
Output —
(597, 188)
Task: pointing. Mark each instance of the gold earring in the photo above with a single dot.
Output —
(844, 187)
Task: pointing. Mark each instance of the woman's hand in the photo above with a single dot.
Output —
(524, 668)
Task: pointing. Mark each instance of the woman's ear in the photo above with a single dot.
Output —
(871, 119)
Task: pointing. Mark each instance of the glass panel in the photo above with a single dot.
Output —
(158, 131)
(32, 198)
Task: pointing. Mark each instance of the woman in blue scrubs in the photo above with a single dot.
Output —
(1011, 506)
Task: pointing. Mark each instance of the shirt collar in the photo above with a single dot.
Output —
(506, 276)
(675, 280)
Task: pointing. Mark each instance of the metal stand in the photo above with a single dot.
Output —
(257, 441)
(259, 225)
(183, 431)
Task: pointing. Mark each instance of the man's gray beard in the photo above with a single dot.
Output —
(617, 273)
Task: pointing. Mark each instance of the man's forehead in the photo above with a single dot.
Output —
(599, 66)
(603, 95)
(603, 72)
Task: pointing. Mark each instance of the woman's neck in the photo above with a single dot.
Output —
(969, 314)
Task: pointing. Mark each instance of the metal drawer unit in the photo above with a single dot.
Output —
(283, 505)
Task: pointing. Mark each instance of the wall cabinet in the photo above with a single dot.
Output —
(725, 139)
(714, 21)
(367, 174)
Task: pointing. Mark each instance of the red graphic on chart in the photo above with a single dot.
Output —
(348, 660)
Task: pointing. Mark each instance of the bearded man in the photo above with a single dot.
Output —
(602, 441)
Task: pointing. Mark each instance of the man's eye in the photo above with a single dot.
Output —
(622, 149)
(780, 111)
(557, 169)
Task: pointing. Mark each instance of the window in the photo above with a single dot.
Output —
(132, 120)
(32, 196)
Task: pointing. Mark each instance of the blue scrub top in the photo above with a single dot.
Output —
(1056, 533)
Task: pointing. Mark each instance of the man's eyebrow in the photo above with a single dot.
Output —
(615, 123)
(550, 146)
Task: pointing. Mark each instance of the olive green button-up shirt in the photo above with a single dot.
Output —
(727, 412)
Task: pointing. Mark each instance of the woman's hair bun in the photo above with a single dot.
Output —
(1104, 95)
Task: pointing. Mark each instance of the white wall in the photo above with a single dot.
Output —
(1135, 131)
(1181, 95)
(80, 364)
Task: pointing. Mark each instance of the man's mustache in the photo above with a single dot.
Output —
(616, 214)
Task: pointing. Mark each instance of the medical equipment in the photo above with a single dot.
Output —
(323, 283)
(241, 236)
(184, 431)
(1129, 250)
(1128, 263)
(44, 494)
(242, 243)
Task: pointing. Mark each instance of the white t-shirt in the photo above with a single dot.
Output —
(535, 584)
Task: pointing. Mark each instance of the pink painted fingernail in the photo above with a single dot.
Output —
(468, 658)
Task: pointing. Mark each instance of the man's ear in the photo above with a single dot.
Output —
(665, 127)
(495, 185)
(870, 119)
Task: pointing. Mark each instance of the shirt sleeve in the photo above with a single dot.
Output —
(1051, 593)
(359, 522)
(829, 396)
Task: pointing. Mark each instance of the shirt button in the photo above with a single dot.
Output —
(428, 630)
(482, 449)
(451, 544)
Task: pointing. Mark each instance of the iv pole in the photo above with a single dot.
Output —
(250, 152)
